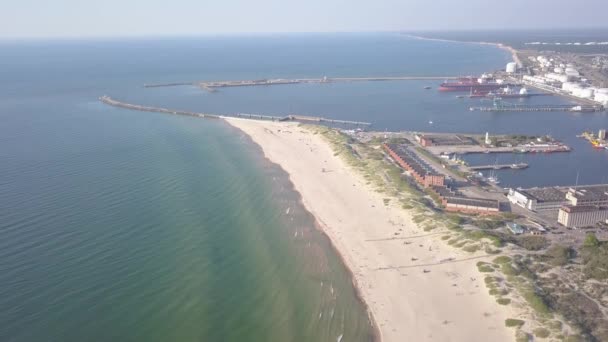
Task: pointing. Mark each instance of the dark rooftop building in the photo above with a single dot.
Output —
(420, 170)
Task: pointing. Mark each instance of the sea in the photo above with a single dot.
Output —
(133, 226)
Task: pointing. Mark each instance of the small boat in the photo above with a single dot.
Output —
(493, 180)
(427, 87)
(430, 122)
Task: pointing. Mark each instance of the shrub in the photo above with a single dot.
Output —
(456, 219)
(502, 259)
(503, 301)
(484, 267)
(512, 322)
(595, 259)
(557, 325)
(536, 302)
(532, 242)
(472, 248)
(509, 270)
(559, 255)
(488, 224)
(591, 240)
(541, 332)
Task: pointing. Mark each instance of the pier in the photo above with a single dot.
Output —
(518, 166)
(539, 108)
(300, 118)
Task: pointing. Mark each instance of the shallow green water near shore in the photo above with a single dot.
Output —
(129, 226)
(166, 229)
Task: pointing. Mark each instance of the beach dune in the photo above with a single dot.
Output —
(412, 292)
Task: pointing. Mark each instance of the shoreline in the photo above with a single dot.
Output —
(365, 240)
(319, 225)
(510, 49)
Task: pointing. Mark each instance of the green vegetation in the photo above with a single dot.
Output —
(541, 332)
(536, 302)
(503, 259)
(472, 248)
(595, 258)
(559, 255)
(512, 322)
(503, 301)
(591, 241)
(488, 223)
(484, 267)
(509, 270)
(479, 234)
(532, 242)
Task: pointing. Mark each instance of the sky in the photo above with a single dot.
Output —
(122, 18)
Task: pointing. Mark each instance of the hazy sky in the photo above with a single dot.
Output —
(85, 18)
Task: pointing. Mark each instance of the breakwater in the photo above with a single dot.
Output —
(110, 101)
(300, 118)
(213, 85)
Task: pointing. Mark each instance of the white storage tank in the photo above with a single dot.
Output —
(511, 67)
(571, 72)
(586, 93)
(601, 98)
(523, 91)
(602, 91)
(569, 86)
(577, 90)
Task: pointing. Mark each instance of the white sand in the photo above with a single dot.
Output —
(508, 48)
(449, 303)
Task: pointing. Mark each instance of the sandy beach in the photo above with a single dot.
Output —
(448, 302)
(510, 49)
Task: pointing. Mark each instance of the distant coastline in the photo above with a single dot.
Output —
(510, 49)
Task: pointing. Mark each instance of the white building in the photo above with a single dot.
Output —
(581, 216)
(588, 195)
(538, 199)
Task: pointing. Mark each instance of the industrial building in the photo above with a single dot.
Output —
(582, 216)
(420, 170)
(453, 200)
(511, 68)
(471, 205)
(594, 195)
(586, 206)
(539, 199)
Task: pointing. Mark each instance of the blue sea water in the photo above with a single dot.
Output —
(132, 226)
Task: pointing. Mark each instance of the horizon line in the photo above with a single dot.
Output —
(270, 33)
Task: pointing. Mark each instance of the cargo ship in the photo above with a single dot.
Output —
(485, 83)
